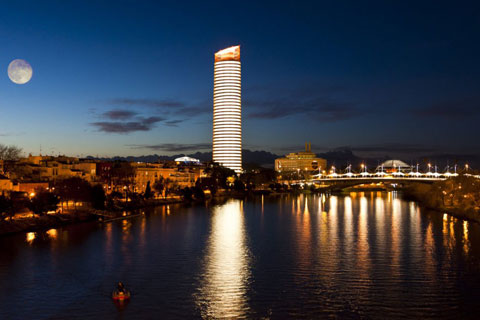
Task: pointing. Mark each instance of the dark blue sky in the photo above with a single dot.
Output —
(136, 77)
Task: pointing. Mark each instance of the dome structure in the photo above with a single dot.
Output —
(391, 166)
(186, 159)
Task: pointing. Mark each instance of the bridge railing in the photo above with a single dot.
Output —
(411, 176)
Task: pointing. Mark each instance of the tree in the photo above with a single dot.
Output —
(12, 204)
(170, 187)
(75, 189)
(219, 174)
(198, 193)
(238, 185)
(207, 183)
(217, 177)
(5, 206)
(159, 185)
(42, 202)
(258, 178)
(98, 197)
(187, 193)
(148, 191)
(123, 176)
(9, 152)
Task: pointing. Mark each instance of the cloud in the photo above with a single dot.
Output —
(392, 148)
(140, 124)
(165, 106)
(125, 121)
(119, 114)
(173, 123)
(11, 134)
(173, 147)
(322, 103)
(450, 109)
(193, 111)
(152, 103)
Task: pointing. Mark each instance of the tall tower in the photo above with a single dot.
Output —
(227, 109)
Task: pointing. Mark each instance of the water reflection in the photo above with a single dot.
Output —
(226, 272)
(466, 241)
(363, 261)
(30, 237)
(367, 255)
(53, 234)
(348, 225)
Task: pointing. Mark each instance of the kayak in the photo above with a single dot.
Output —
(116, 295)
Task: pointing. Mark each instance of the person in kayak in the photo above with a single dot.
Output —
(121, 288)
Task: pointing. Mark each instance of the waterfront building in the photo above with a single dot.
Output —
(300, 161)
(227, 109)
(181, 177)
(5, 183)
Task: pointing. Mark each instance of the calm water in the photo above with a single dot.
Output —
(359, 256)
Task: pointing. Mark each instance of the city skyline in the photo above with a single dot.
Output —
(111, 82)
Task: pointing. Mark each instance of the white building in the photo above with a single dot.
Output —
(187, 160)
(227, 109)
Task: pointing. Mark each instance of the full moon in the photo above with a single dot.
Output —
(20, 71)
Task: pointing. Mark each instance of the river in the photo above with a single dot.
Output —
(363, 255)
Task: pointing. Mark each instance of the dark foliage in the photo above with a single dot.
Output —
(159, 185)
(73, 189)
(148, 191)
(42, 202)
(186, 193)
(238, 185)
(98, 197)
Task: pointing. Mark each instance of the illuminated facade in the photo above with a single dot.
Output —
(301, 161)
(227, 109)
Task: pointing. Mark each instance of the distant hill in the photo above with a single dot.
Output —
(260, 158)
(338, 157)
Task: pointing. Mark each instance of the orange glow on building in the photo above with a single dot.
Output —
(228, 54)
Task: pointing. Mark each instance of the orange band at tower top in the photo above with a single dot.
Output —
(228, 54)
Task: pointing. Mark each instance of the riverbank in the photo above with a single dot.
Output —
(457, 197)
(40, 223)
(421, 194)
(119, 211)
(57, 220)
(470, 214)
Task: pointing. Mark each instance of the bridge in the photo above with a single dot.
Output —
(383, 177)
(367, 177)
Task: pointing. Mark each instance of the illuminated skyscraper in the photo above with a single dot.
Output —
(227, 109)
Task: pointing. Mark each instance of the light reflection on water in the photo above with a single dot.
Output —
(363, 255)
(30, 237)
(225, 275)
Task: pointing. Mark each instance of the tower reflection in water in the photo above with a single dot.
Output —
(224, 281)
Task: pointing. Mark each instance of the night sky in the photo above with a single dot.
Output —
(136, 77)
